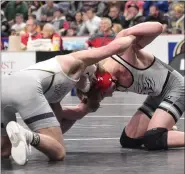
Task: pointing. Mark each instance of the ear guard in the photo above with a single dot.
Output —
(103, 81)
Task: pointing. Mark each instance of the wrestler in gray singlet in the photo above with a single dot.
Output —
(163, 84)
(30, 91)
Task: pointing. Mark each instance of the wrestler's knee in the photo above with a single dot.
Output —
(127, 142)
(55, 133)
(5, 147)
(156, 139)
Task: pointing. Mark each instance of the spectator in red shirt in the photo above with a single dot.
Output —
(49, 33)
(31, 26)
(104, 36)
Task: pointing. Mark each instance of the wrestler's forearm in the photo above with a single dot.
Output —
(66, 125)
(74, 112)
(143, 29)
(145, 33)
(93, 56)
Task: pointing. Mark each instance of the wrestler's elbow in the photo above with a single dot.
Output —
(123, 43)
(157, 27)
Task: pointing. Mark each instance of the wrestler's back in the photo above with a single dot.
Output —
(141, 72)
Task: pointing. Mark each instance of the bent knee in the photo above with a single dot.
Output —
(156, 139)
(59, 156)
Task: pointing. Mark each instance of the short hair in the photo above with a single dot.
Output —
(156, 7)
(114, 6)
(50, 27)
(33, 16)
(107, 20)
(19, 14)
(34, 21)
(90, 9)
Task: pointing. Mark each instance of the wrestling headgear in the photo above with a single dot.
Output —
(103, 81)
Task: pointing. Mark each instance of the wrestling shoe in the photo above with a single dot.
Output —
(20, 139)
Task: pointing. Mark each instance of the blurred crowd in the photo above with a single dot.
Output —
(100, 20)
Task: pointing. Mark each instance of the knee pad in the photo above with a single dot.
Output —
(128, 142)
(156, 139)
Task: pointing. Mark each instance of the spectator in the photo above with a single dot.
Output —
(33, 8)
(104, 36)
(139, 4)
(77, 24)
(19, 25)
(4, 25)
(31, 32)
(157, 16)
(90, 24)
(47, 11)
(98, 7)
(34, 18)
(76, 6)
(162, 6)
(14, 7)
(114, 14)
(117, 28)
(119, 4)
(176, 24)
(65, 6)
(59, 22)
(133, 16)
(49, 33)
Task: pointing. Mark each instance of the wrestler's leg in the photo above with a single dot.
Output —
(163, 119)
(158, 135)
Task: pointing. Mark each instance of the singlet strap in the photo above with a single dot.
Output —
(121, 61)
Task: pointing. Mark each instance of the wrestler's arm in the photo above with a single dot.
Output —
(93, 56)
(67, 116)
(145, 33)
(69, 112)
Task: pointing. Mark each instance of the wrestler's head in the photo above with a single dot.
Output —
(100, 85)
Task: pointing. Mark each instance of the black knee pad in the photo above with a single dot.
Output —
(128, 142)
(156, 139)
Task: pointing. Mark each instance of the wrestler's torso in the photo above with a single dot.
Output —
(54, 82)
(140, 73)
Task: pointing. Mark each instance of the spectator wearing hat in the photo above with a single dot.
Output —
(139, 4)
(59, 22)
(133, 16)
(104, 36)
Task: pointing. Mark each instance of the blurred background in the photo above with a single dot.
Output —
(33, 31)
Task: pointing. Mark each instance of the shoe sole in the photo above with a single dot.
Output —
(19, 149)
